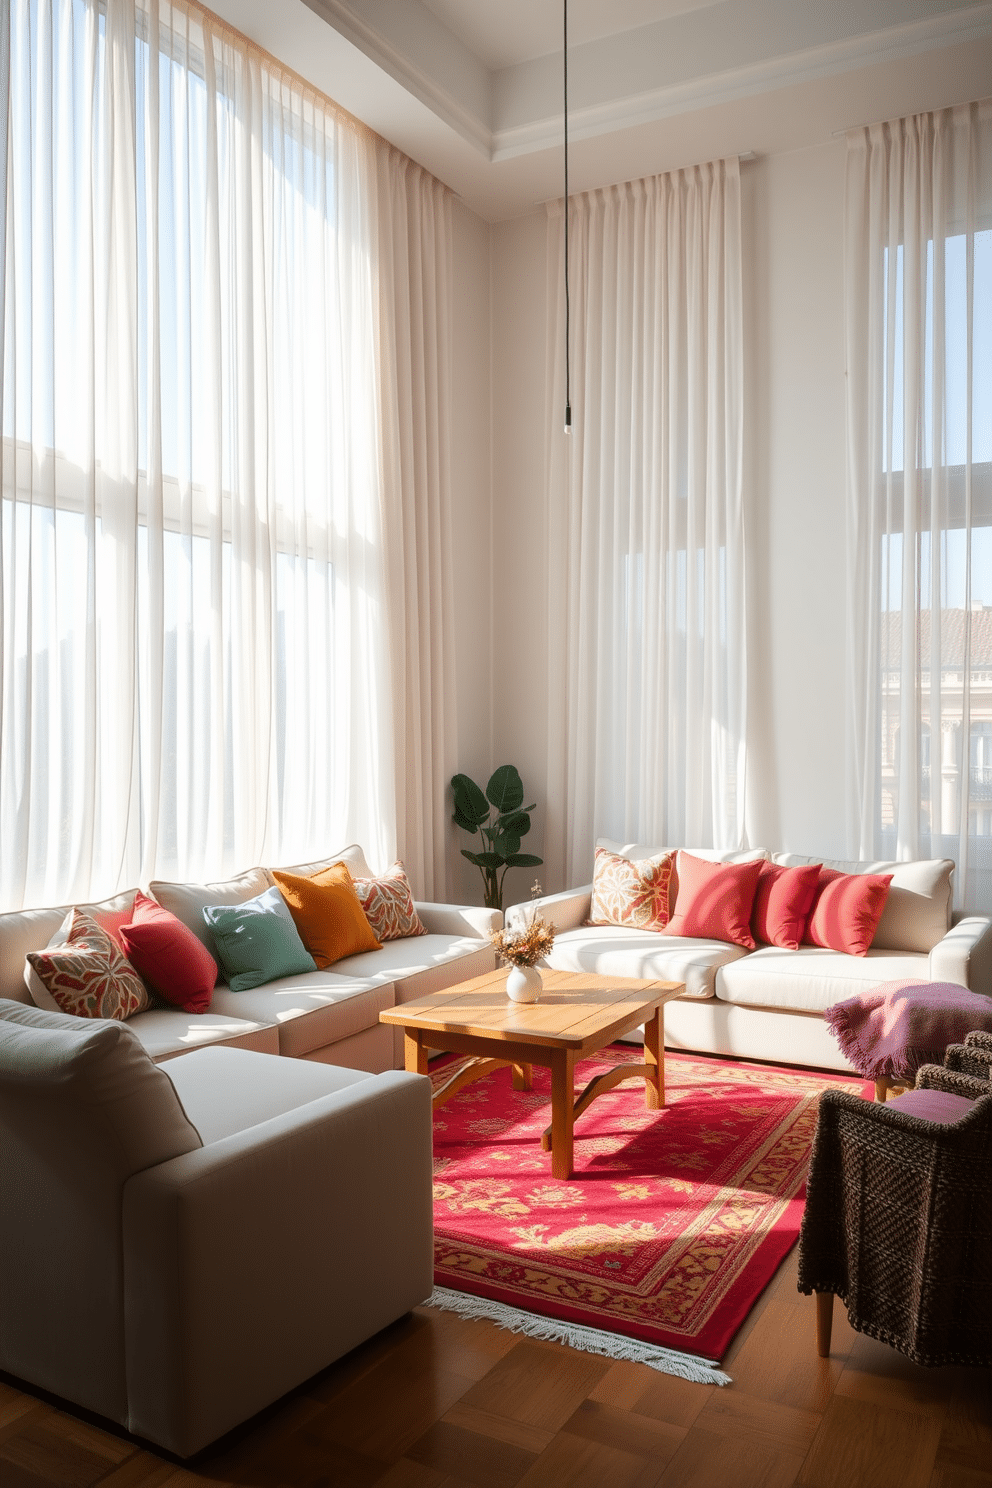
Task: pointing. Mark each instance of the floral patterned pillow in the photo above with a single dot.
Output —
(388, 905)
(630, 893)
(86, 975)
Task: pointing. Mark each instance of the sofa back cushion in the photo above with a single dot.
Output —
(917, 913)
(187, 901)
(26, 930)
(352, 857)
(637, 850)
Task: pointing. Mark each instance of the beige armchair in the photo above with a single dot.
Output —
(181, 1244)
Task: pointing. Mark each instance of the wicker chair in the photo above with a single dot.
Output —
(898, 1219)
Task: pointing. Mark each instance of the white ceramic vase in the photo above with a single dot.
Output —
(523, 984)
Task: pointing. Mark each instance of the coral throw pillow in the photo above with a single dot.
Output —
(388, 905)
(631, 893)
(782, 902)
(846, 910)
(87, 975)
(328, 914)
(173, 961)
(715, 900)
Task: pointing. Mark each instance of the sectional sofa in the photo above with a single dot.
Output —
(769, 1003)
(329, 1016)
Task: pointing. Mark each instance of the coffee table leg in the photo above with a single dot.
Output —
(562, 1112)
(523, 1077)
(414, 1053)
(654, 1060)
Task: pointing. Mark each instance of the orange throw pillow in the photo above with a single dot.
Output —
(328, 914)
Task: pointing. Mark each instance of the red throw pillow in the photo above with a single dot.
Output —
(846, 910)
(715, 900)
(172, 960)
(782, 902)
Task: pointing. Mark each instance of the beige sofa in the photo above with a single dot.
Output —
(329, 1016)
(769, 1003)
(181, 1244)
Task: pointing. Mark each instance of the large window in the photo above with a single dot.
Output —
(194, 674)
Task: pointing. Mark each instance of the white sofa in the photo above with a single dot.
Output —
(769, 1003)
(329, 1016)
(182, 1244)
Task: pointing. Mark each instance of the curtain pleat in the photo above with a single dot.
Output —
(646, 619)
(224, 521)
(919, 328)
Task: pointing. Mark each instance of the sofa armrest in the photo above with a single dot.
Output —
(254, 1262)
(953, 1082)
(566, 911)
(965, 955)
(460, 919)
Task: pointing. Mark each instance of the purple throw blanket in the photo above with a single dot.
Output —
(898, 1026)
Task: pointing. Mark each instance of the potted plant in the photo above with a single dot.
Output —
(500, 833)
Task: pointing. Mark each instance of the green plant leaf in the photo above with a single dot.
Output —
(524, 860)
(488, 860)
(464, 823)
(470, 804)
(517, 822)
(475, 858)
(506, 844)
(505, 789)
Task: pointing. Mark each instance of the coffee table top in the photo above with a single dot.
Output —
(574, 1006)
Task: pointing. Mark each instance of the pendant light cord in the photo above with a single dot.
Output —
(568, 378)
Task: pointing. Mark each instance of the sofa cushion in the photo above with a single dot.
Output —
(846, 910)
(165, 1032)
(351, 856)
(173, 961)
(86, 975)
(629, 892)
(187, 901)
(422, 964)
(313, 1010)
(715, 900)
(224, 1092)
(917, 913)
(940, 1106)
(810, 979)
(610, 950)
(257, 941)
(92, 1080)
(26, 930)
(388, 904)
(782, 903)
(328, 913)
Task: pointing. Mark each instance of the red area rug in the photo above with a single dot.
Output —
(673, 1222)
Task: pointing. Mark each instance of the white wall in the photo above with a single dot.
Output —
(793, 246)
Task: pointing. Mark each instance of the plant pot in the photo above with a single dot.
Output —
(523, 984)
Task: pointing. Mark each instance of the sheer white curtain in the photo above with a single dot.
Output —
(196, 651)
(919, 347)
(648, 659)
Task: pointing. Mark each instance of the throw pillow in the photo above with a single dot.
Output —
(846, 910)
(388, 905)
(86, 975)
(715, 900)
(173, 961)
(257, 941)
(328, 914)
(782, 903)
(629, 892)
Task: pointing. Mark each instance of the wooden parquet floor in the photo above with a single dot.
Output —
(438, 1402)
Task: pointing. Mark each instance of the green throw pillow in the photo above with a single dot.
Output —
(257, 941)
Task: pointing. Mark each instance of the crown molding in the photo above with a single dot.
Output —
(421, 84)
(972, 23)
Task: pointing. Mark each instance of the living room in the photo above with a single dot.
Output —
(482, 635)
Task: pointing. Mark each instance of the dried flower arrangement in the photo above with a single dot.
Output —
(524, 947)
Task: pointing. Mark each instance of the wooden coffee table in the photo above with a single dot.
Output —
(577, 1014)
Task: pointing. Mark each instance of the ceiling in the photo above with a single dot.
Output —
(473, 89)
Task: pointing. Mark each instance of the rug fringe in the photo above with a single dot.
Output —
(590, 1340)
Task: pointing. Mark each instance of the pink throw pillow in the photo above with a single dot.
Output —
(172, 960)
(631, 893)
(715, 900)
(782, 902)
(846, 910)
